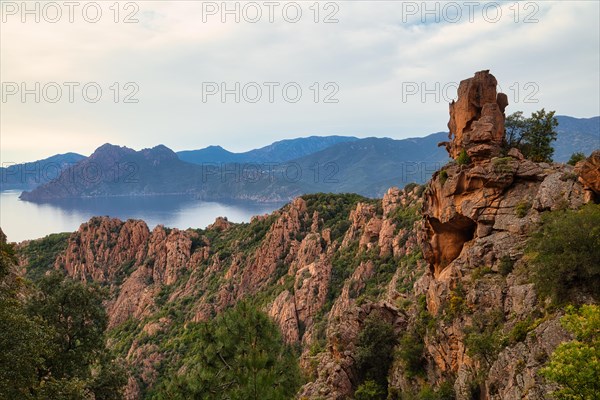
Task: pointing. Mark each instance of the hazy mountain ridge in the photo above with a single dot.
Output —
(365, 166)
(278, 172)
(576, 135)
(280, 151)
(29, 175)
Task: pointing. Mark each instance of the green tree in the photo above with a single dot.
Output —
(52, 338)
(514, 127)
(575, 158)
(238, 355)
(369, 390)
(77, 316)
(375, 351)
(532, 136)
(575, 365)
(463, 158)
(23, 340)
(565, 253)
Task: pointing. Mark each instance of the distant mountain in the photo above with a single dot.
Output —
(210, 154)
(370, 166)
(26, 176)
(120, 171)
(280, 151)
(576, 135)
(278, 172)
(367, 166)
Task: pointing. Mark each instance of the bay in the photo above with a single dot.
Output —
(21, 220)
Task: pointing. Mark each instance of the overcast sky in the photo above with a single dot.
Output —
(373, 57)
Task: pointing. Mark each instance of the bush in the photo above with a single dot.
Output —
(444, 392)
(565, 254)
(575, 365)
(443, 176)
(484, 339)
(522, 208)
(506, 265)
(502, 165)
(463, 158)
(520, 330)
(410, 186)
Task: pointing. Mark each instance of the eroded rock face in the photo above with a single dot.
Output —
(126, 254)
(477, 118)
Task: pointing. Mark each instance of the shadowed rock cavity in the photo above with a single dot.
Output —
(447, 240)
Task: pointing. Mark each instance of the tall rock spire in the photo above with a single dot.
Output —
(477, 118)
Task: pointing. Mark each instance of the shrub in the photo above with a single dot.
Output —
(565, 253)
(575, 365)
(484, 339)
(410, 187)
(444, 392)
(410, 352)
(463, 158)
(443, 176)
(502, 165)
(519, 331)
(506, 265)
(374, 350)
(456, 304)
(522, 208)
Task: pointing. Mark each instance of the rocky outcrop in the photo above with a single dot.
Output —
(589, 174)
(477, 118)
(487, 194)
(477, 216)
(337, 377)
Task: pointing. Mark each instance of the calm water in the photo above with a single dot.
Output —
(22, 220)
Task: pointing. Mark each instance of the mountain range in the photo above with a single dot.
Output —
(27, 176)
(278, 172)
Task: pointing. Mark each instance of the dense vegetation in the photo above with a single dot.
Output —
(565, 254)
(374, 356)
(52, 344)
(42, 253)
(238, 355)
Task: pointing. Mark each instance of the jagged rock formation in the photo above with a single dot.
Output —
(290, 253)
(477, 118)
(464, 202)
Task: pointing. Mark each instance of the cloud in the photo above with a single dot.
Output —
(370, 54)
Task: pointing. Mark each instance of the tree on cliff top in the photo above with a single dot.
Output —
(532, 136)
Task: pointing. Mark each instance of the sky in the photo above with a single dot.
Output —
(187, 74)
